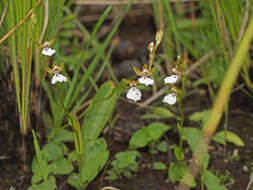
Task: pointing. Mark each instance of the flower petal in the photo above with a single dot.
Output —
(54, 79)
(58, 78)
(134, 94)
(48, 51)
(171, 79)
(170, 99)
(145, 80)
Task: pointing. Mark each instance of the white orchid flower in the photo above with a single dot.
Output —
(134, 94)
(146, 80)
(171, 79)
(170, 99)
(48, 51)
(58, 78)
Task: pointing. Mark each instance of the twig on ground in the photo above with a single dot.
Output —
(203, 59)
(109, 188)
(3, 15)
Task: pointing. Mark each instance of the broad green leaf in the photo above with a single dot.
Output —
(156, 130)
(188, 179)
(146, 134)
(74, 181)
(151, 116)
(126, 159)
(36, 178)
(64, 136)
(163, 112)
(193, 137)
(159, 166)
(61, 167)
(212, 181)
(45, 185)
(176, 171)
(159, 113)
(228, 136)
(54, 151)
(93, 159)
(99, 111)
(162, 146)
(200, 116)
(140, 138)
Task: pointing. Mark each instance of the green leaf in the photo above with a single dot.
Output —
(228, 136)
(140, 138)
(159, 166)
(61, 167)
(39, 165)
(159, 113)
(54, 151)
(146, 134)
(126, 159)
(179, 153)
(163, 112)
(156, 130)
(93, 159)
(176, 171)
(75, 182)
(151, 116)
(36, 178)
(45, 185)
(127, 173)
(193, 137)
(99, 111)
(162, 146)
(212, 181)
(200, 116)
(64, 136)
(189, 179)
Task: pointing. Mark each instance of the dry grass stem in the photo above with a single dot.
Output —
(3, 15)
(224, 32)
(45, 24)
(20, 23)
(244, 24)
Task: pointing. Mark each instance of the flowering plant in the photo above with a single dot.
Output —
(145, 74)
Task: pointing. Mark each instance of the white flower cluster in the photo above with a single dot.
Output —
(49, 52)
(135, 94)
(58, 78)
